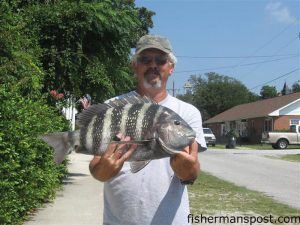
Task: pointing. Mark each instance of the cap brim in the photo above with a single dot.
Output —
(152, 46)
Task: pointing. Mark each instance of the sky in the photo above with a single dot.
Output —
(254, 41)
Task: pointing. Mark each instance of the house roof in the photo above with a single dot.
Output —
(256, 109)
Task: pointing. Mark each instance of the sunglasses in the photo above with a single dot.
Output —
(159, 60)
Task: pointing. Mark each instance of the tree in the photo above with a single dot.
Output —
(268, 92)
(296, 87)
(285, 90)
(86, 44)
(214, 93)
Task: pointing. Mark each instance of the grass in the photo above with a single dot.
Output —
(253, 146)
(291, 158)
(212, 196)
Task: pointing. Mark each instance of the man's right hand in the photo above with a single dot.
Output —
(110, 163)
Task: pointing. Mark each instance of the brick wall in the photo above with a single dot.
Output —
(283, 122)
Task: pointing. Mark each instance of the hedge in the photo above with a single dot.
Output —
(28, 175)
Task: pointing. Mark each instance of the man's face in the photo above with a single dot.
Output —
(153, 69)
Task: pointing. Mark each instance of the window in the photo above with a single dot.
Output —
(294, 121)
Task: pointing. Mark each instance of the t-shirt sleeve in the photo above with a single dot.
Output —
(194, 119)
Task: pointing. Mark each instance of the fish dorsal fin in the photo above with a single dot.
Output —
(85, 117)
(129, 98)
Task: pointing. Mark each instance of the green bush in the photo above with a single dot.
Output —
(74, 47)
(28, 175)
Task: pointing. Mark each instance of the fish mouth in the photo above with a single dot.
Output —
(191, 136)
(166, 148)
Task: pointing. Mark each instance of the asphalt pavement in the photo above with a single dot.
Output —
(257, 170)
(81, 200)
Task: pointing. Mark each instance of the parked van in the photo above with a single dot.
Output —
(210, 138)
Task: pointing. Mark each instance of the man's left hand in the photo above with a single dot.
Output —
(186, 164)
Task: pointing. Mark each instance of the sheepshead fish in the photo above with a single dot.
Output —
(158, 131)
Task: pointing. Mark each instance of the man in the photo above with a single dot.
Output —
(157, 194)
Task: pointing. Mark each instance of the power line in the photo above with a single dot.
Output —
(276, 78)
(284, 46)
(228, 67)
(268, 42)
(235, 57)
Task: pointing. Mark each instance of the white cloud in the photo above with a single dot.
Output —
(280, 13)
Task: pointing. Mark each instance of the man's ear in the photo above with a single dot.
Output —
(171, 69)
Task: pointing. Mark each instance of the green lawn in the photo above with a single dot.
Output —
(212, 196)
(252, 146)
(292, 158)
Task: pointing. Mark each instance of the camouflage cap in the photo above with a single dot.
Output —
(153, 41)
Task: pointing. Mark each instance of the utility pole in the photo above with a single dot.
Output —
(173, 89)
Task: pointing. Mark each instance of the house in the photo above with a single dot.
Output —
(251, 119)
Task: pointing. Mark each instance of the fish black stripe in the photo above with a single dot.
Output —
(83, 132)
(98, 131)
(139, 123)
(116, 118)
(131, 120)
(148, 120)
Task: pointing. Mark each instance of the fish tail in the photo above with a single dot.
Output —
(62, 142)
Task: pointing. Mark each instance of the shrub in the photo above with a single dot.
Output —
(28, 175)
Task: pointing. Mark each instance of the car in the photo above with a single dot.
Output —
(209, 137)
(281, 140)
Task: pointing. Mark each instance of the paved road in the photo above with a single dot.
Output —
(79, 203)
(278, 179)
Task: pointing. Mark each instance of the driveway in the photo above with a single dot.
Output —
(276, 178)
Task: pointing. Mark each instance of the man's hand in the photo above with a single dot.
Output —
(110, 163)
(186, 164)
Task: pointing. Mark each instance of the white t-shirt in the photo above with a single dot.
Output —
(154, 195)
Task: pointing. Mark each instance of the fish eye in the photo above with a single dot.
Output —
(176, 122)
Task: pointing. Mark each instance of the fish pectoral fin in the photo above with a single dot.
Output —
(136, 166)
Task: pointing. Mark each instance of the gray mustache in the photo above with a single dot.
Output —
(152, 71)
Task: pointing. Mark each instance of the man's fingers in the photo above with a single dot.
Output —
(110, 149)
(189, 153)
(128, 153)
(119, 149)
(194, 149)
(113, 146)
